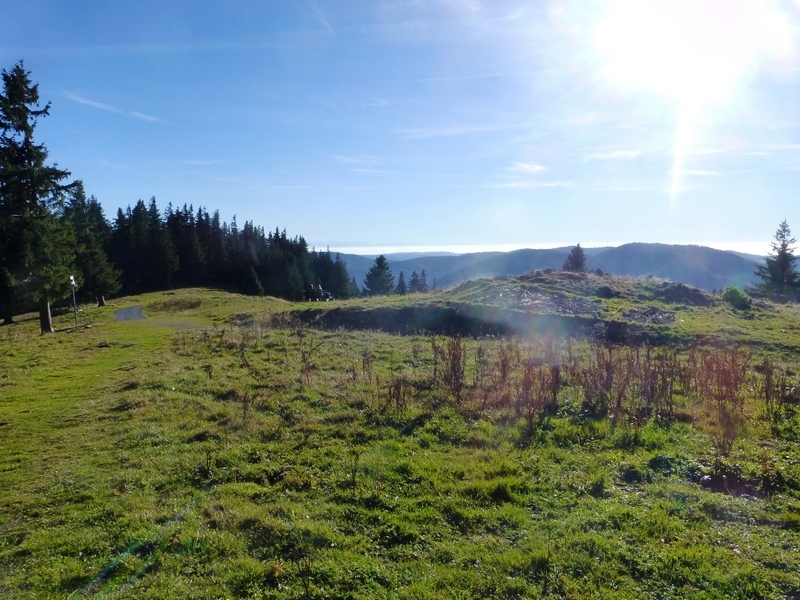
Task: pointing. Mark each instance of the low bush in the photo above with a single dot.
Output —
(737, 298)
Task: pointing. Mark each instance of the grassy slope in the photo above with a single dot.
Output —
(183, 456)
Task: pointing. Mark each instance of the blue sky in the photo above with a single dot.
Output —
(446, 124)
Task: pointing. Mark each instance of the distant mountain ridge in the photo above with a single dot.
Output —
(699, 266)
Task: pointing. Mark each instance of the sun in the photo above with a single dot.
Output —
(696, 49)
(700, 53)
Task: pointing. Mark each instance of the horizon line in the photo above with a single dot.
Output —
(754, 248)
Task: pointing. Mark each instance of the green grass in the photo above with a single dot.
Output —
(207, 452)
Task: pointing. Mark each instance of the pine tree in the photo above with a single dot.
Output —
(401, 285)
(96, 275)
(35, 254)
(379, 280)
(414, 283)
(423, 282)
(251, 284)
(576, 261)
(779, 278)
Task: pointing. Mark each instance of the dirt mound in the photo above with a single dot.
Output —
(678, 293)
(478, 321)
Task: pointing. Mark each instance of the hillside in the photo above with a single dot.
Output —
(697, 266)
(226, 446)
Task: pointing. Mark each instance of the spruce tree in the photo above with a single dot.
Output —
(35, 254)
(96, 275)
(779, 277)
(379, 280)
(401, 285)
(414, 283)
(576, 261)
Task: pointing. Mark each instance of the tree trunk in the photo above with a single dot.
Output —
(101, 301)
(45, 319)
(8, 320)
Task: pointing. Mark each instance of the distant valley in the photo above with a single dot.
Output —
(699, 266)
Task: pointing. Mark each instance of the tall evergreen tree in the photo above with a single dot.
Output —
(779, 277)
(423, 282)
(95, 273)
(401, 285)
(576, 261)
(379, 280)
(35, 254)
(414, 284)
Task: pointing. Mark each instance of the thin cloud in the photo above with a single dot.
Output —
(371, 171)
(113, 109)
(321, 19)
(200, 162)
(144, 117)
(456, 130)
(614, 155)
(526, 184)
(363, 160)
(526, 168)
(93, 104)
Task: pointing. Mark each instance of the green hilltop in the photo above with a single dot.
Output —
(548, 435)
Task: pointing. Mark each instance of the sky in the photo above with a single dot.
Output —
(407, 125)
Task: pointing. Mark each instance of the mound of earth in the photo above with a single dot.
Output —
(678, 293)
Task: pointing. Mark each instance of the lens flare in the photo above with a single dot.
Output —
(701, 53)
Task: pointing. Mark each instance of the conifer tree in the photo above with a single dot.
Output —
(414, 283)
(779, 277)
(401, 285)
(576, 261)
(379, 280)
(35, 253)
(96, 275)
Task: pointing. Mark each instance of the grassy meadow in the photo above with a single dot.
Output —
(225, 448)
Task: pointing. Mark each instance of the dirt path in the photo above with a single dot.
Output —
(129, 313)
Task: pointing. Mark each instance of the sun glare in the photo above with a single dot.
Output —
(698, 52)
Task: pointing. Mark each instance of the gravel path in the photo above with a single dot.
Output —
(129, 313)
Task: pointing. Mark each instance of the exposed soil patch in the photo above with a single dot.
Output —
(476, 321)
(513, 296)
(678, 293)
(649, 315)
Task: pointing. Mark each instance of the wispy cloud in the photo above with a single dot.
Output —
(144, 117)
(321, 19)
(614, 155)
(525, 184)
(364, 160)
(526, 168)
(200, 162)
(113, 109)
(452, 131)
(371, 171)
(362, 164)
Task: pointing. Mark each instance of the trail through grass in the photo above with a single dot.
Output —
(206, 452)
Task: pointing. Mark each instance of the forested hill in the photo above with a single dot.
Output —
(145, 249)
(184, 247)
(698, 266)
